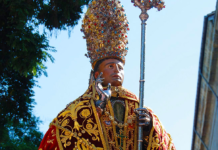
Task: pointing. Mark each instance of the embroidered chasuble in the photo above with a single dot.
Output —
(80, 127)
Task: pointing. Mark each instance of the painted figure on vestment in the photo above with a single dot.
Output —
(106, 116)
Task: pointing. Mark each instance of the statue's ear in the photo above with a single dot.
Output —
(96, 74)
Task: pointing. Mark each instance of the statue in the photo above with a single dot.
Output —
(107, 115)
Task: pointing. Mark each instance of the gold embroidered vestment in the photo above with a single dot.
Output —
(80, 127)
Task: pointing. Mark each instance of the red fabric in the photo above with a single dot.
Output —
(49, 142)
(162, 140)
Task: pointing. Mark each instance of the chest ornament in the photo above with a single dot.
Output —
(130, 120)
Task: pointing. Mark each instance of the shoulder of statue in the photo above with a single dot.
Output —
(80, 101)
(158, 134)
(49, 141)
(77, 119)
(123, 92)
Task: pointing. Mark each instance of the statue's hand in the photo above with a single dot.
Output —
(144, 119)
(103, 94)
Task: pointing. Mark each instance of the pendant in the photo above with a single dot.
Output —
(120, 136)
(119, 110)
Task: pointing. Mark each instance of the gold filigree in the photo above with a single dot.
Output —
(52, 132)
(89, 126)
(84, 144)
(72, 112)
(85, 113)
(91, 129)
(77, 126)
(65, 122)
(155, 142)
(65, 137)
(50, 141)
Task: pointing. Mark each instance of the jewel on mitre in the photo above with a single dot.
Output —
(160, 6)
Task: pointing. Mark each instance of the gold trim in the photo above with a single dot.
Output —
(136, 131)
(105, 133)
(151, 135)
(122, 93)
(114, 126)
(125, 121)
(126, 97)
(57, 135)
(99, 124)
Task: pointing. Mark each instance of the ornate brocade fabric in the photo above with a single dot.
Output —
(80, 127)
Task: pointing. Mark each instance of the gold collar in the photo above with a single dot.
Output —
(119, 91)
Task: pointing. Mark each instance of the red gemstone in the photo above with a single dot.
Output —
(164, 6)
(120, 31)
(108, 41)
(95, 24)
(114, 26)
(127, 25)
(102, 25)
(97, 16)
(122, 34)
(89, 20)
(89, 26)
(119, 47)
(126, 36)
(128, 29)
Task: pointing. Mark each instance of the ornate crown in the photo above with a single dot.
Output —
(105, 29)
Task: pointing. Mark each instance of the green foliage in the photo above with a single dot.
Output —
(23, 53)
(59, 14)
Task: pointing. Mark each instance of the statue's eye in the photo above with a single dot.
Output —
(120, 67)
(110, 66)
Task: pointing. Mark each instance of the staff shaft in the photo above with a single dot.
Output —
(142, 80)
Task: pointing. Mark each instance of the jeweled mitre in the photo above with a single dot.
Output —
(105, 27)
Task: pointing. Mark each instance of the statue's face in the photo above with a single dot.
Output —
(113, 72)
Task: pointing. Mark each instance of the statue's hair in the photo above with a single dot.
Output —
(96, 68)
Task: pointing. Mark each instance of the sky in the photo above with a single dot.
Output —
(173, 41)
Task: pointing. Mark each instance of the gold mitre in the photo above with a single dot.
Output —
(105, 28)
